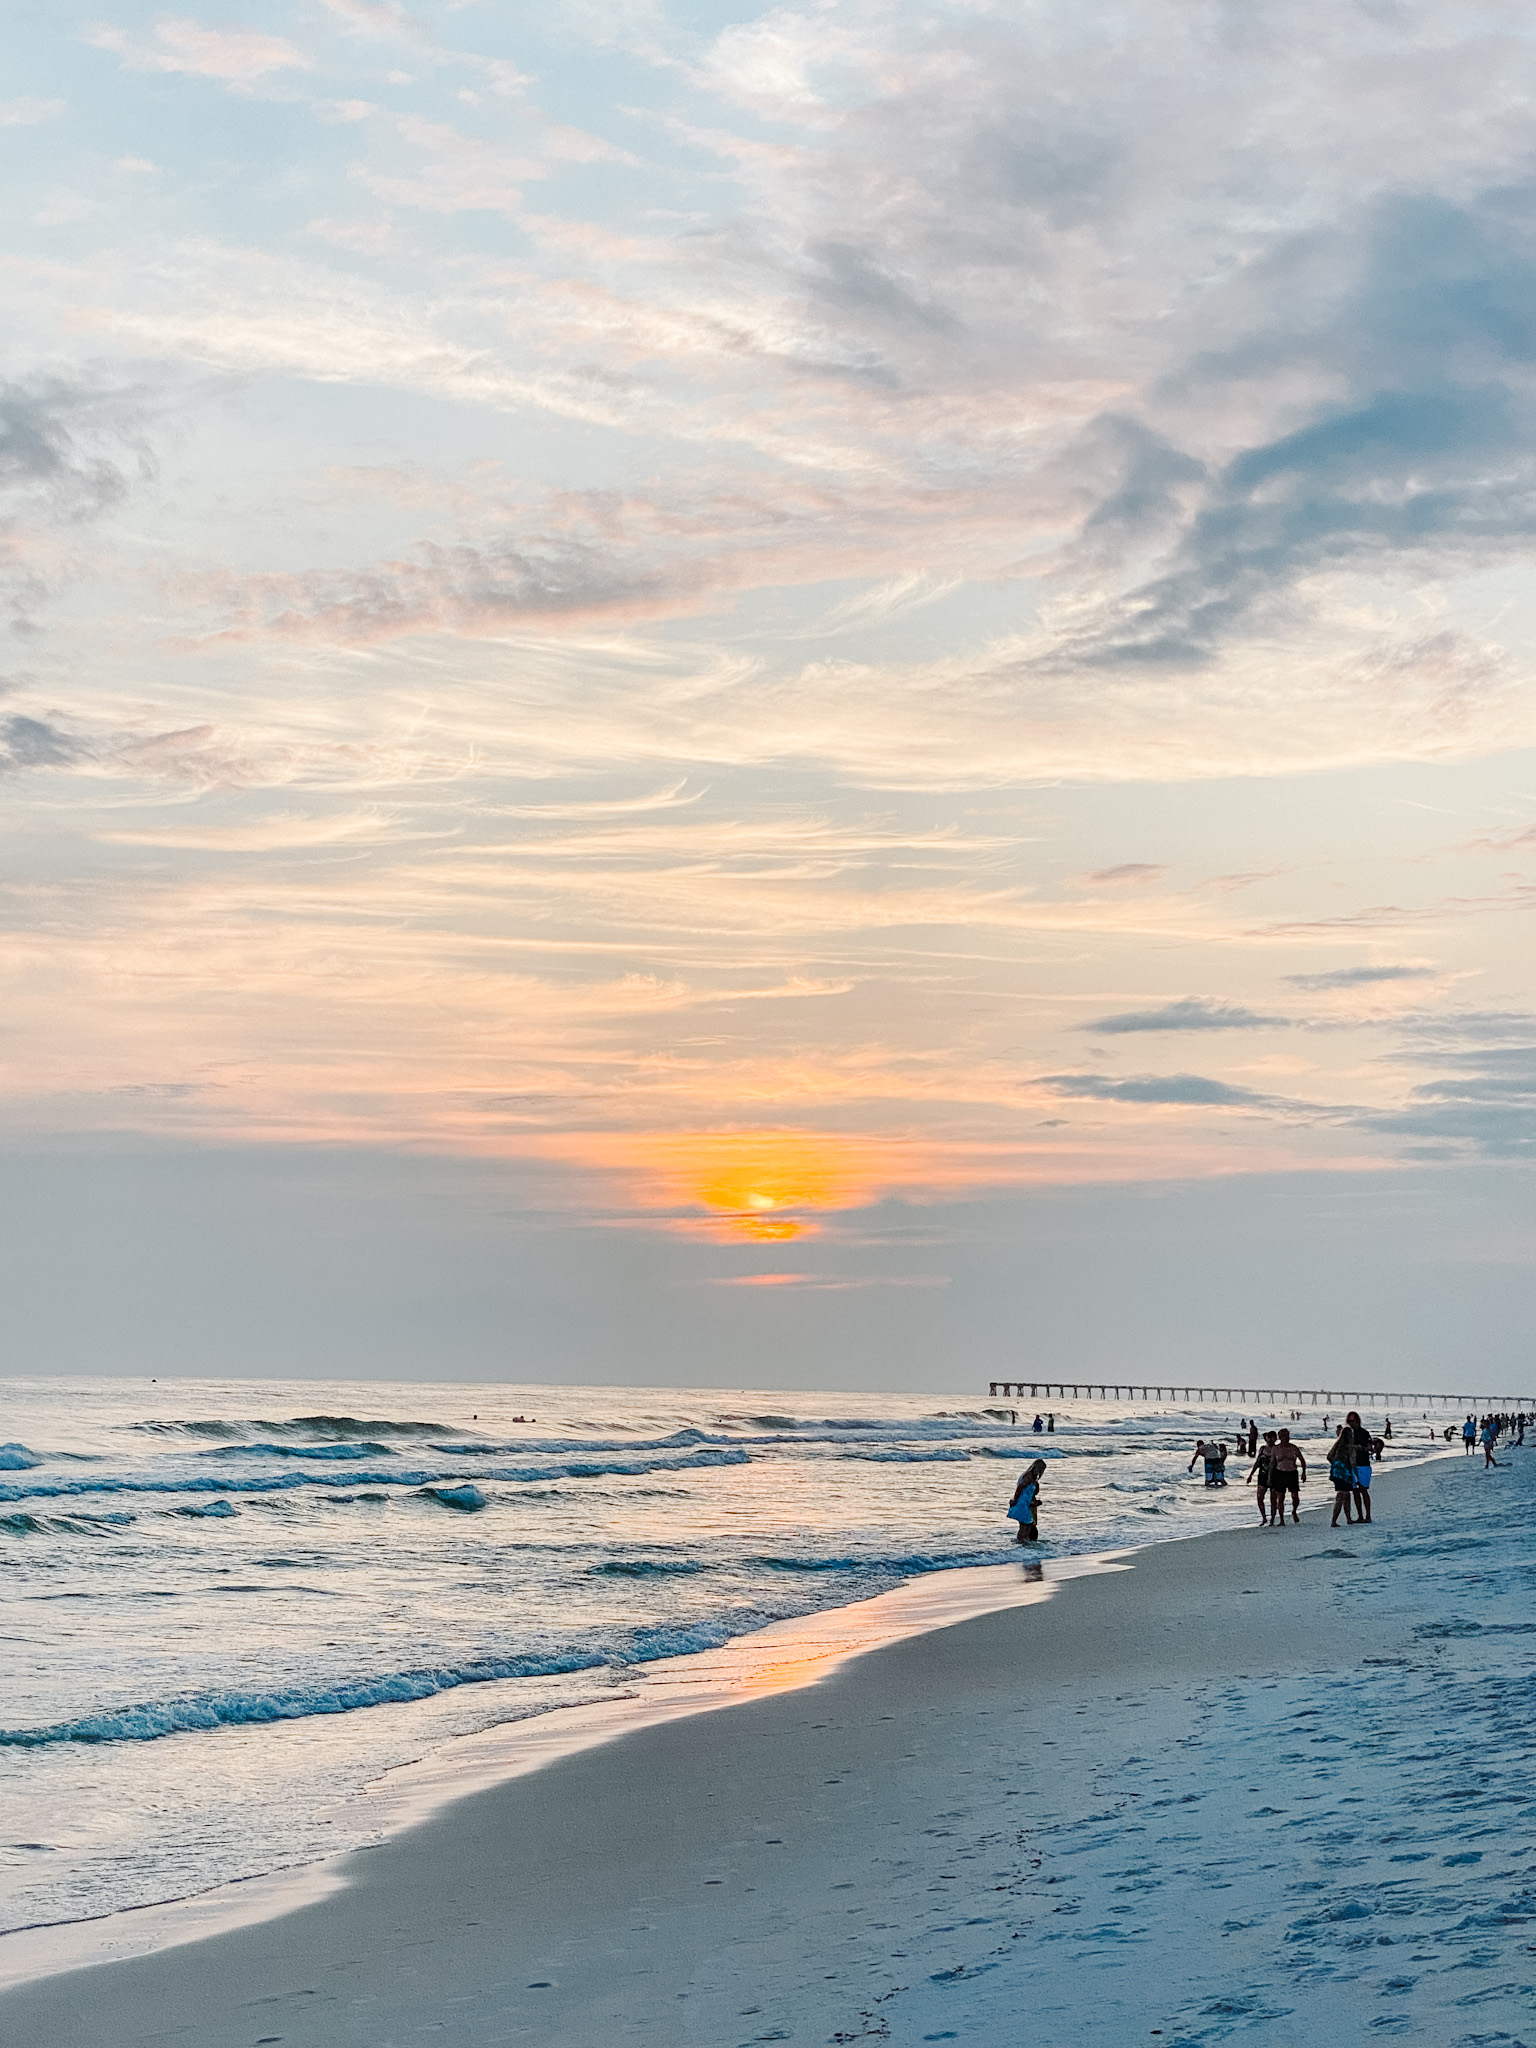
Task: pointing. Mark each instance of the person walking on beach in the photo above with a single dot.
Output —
(1024, 1506)
(1490, 1438)
(1258, 1473)
(1341, 1470)
(1287, 1469)
(1469, 1435)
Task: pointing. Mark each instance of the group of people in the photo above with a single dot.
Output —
(1277, 1474)
(1488, 1432)
(1279, 1468)
(1353, 1453)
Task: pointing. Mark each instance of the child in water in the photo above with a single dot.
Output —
(1026, 1500)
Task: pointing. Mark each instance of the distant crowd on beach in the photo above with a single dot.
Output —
(1279, 1467)
(1489, 1430)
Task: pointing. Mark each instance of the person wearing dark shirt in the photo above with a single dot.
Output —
(1259, 1473)
(1362, 1443)
(1341, 1470)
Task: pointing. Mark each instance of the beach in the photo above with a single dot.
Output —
(232, 1609)
(1256, 1781)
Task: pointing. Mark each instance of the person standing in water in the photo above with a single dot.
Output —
(1024, 1506)
(1215, 1456)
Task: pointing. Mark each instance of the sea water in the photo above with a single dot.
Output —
(230, 1606)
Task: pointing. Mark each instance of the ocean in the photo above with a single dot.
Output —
(231, 1606)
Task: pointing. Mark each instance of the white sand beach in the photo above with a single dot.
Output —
(1258, 1783)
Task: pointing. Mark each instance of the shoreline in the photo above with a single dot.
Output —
(782, 1657)
(608, 1833)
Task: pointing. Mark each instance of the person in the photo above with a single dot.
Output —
(1341, 1470)
(1050, 1424)
(1038, 1426)
(1387, 1432)
(1025, 1505)
(1364, 1452)
(1490, 1438)
(1259, 1471)
(1469, 1435)
(1362, 1437)
(1215, 1456)
(1287, 1469)
(1253, 1439)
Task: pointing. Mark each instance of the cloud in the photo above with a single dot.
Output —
(1185, 1091)
(1359, 977)
(549, 581)
(1483, 1098)
(237, 57)
(378, 18)
(1190, 1013)
(1494, 1116)
(62, 465)
(458, 173)
(29, 112)
(1127, 871)
(36, 743)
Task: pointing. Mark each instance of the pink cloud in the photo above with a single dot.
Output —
(236, 56)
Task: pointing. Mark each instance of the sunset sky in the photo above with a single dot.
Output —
(839, 695)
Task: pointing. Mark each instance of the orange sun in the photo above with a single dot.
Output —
(763, 1184)
(766, 1186)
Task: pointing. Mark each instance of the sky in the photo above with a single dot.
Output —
(830, 696)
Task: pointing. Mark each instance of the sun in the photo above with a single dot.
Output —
(767, 1185)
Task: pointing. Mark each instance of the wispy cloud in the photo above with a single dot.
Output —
(1189, 1013)
(237, 57)
(29, 111)
(1182, 1091)
(1132, 871)
(1358, 977)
